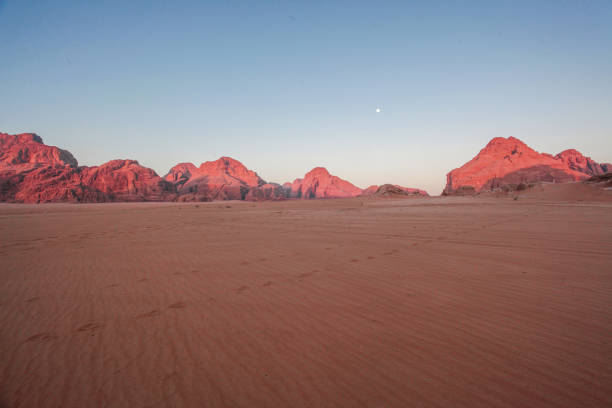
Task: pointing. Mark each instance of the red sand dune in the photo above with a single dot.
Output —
(436, 302)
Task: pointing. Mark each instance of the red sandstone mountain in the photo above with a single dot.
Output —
(126, 180)
(318, 183)
(33, 172)
(578, 162)
(28, 149)
(507, 162)
(393, 190)
(222, 179)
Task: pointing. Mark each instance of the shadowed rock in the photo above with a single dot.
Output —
(393, 190)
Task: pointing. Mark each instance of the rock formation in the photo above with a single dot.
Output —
(578, 162)
(268, 191)
(32, 172)
(222, 179)
(506, 163)
(318, 183)
(393, 190)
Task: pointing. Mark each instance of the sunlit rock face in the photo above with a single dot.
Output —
(578, 162)
(508, 162)
(222, 179)
(318, 183)
(32, 172)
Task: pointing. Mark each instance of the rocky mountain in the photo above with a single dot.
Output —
(28, 150)
(318, 183)
(222, 179)
(32, 172)
(393, 190)
(578, 162)
(265, 192)
(508, 162)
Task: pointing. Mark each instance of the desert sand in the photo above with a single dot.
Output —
(433, 302)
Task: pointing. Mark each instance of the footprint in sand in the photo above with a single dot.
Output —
(152, 313)
(90, 327)
(177, 305)
(354, 260)
(244, 263)
(41, 337)
(371, 257)
(241, 289)
(268, 283)
(306, 274)
(34, 299)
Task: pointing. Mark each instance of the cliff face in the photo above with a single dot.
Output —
(505, 162)
(32, 172)
(28, 149)
(318, 183)
(222, 179)
(575, 160)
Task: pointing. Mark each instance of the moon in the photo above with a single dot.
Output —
(377, 110)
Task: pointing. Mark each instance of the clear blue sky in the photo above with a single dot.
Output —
(286, 86)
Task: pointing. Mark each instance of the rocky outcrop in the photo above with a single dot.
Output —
(576, 161)
(504, 163)
(318, 183)
(601, 180)
(393, 190)
(32, 172)
(222, 179)
(29, 149)
(126, 180)
(268, 191)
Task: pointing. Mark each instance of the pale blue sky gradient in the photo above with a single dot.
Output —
(287, 86)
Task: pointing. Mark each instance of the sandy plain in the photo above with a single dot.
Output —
(462, 302)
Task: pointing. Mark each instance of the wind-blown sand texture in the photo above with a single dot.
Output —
(462, 302)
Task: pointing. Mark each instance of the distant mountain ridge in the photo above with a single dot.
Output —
(32, 172)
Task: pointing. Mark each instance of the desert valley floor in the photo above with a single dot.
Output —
(438, 302)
